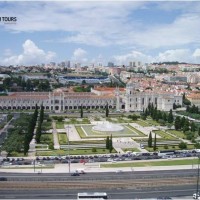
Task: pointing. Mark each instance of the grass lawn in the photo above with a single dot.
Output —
(60, 125)
(17, 154)
(127, 131)
(170, 147)
(73, 152)
(47, 139)
(152, 122)
(179, 134)
(88, 142)
(131, 149)
(62, 137)
(80, 131)
(47, 125)
(136, 131)
(79, 121)
(165, 135)
(153, 163)
(142, 123)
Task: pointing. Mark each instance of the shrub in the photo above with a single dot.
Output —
(94, 149)
(182, 145)
(166, 147)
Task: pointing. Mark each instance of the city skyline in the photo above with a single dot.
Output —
(93, 32)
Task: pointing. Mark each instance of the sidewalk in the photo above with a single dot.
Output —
(92, 167)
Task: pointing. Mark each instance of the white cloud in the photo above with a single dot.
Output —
(88, 39)
(31, 55)
(79, 55)
(132, 56)
(180, 55)
(196, 56)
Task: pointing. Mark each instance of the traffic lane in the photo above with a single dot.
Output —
(160, 173)
(173, 191)
(99, 176)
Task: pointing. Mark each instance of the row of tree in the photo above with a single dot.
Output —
(30, 131)
(28, 85)
(157, 115)
(39, 127)
(182, 123)
(193, 109)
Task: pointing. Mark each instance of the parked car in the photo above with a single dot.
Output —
(3, 179)
(75, 174)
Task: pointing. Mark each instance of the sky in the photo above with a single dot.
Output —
(98, 32)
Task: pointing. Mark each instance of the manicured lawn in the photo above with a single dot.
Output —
(17, 154)
(60, 125)
(47, 139)
(62, 137)
(142, 123)
(88, 142)
(79, 121)
(47, 125)
(136, 131)
(131, 149)
(127, 131)
(170, 147)
(152, 122)
(80, 131)
(179, 134)
(153, 163)
(165, 135)
(73, 152)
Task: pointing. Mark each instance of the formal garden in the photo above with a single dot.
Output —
(170, 131)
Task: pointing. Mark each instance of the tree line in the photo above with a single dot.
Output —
(157, 115)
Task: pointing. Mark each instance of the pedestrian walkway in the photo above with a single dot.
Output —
(91, 167)
(72, 133)
(55, 136)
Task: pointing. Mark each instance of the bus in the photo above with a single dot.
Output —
(166, 152)
(93, 195)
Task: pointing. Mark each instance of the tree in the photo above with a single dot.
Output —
(38, 132)
(164, 116)
(41, 113)
(107, 142)
(110, 144)
(182, 145)
(170, 117)
(107, 110)
(150, 140)
(182, 121)
(192, 127)
(177, 123)
(154, 146)
(186, 125)
(199, 131)
(81, 111)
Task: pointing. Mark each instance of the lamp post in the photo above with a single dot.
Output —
(68, 127)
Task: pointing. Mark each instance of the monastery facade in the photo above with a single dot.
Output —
(60, 100)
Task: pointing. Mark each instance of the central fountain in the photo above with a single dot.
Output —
(105, 126)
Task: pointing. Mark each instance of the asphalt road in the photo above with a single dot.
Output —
(126, 185)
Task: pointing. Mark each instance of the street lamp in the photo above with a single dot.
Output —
(68, 127)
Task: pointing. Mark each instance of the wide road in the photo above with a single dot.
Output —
(126, 185)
